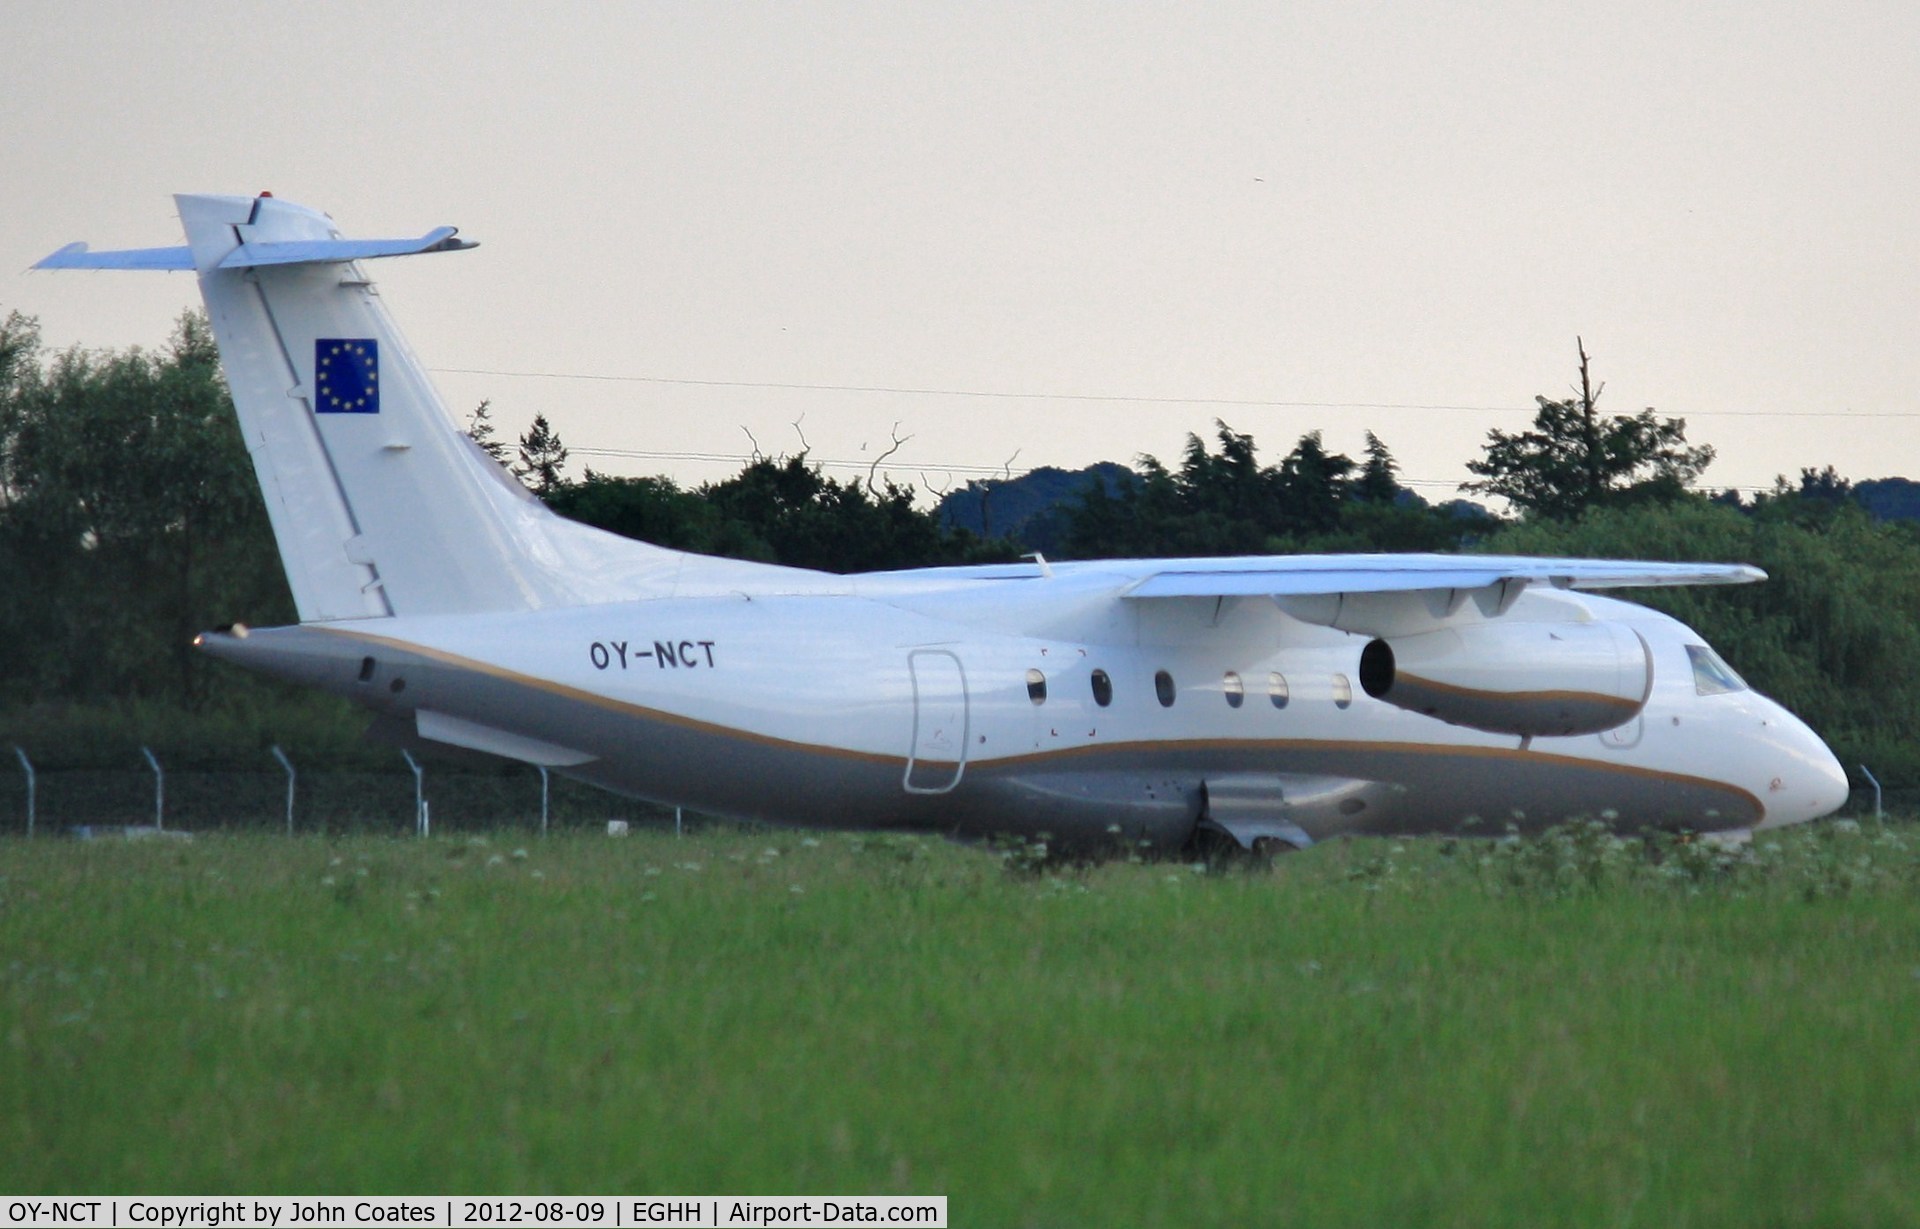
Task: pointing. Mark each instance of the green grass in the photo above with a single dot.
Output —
(1562, 1031)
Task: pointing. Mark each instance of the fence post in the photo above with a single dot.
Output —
(159, 791)
(287, 764)
(27, 764)
(1877, 812)
(419, 795)
(543, 798)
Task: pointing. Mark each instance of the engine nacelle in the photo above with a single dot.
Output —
(1530, 679)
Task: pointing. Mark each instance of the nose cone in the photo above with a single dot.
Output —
(1808, 780)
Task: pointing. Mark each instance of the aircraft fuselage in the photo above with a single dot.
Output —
(865, 709)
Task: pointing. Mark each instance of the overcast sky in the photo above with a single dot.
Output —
(1122, 221)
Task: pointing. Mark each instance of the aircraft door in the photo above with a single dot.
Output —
(939, 753)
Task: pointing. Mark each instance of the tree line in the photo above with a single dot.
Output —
(130, 520)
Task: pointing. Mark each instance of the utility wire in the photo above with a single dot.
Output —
(1116, 398)
(1000, 471)
(1003, 471)
(990, 471)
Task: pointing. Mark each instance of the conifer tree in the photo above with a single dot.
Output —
(542, 457)
(480, 430)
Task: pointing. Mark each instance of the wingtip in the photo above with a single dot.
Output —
(446, 239)
(55, 260)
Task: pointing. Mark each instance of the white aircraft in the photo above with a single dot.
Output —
(1280, 700)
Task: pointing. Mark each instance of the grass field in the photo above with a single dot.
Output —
(1561, 1031)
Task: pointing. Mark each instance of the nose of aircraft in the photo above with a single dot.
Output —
(1808, 780)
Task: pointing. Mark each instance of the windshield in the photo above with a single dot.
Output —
(1712, 676)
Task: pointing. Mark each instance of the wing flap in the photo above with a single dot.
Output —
(1284, 583)
(1311, 575)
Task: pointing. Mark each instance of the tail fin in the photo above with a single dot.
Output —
(379, 501)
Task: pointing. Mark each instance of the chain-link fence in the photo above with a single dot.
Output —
(325, 800)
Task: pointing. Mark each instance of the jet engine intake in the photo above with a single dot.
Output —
(1529, 679)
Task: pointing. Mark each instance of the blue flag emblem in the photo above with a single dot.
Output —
(346, 376)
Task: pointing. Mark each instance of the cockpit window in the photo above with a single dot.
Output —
(1711, 676)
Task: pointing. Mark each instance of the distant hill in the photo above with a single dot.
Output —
(1465, 510)
(1889, 499)
(1028, 508)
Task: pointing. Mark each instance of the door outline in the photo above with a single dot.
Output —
(1626, 736)
(939, 688)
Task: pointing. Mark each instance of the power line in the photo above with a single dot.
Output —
(977, 393)
(737, 458)
(1001, 471)
(1117, 398)
(923, 468)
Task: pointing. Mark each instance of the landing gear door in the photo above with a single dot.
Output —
(939, 752)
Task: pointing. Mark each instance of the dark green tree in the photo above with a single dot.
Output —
(778, 511)
(1825, 485)
(1379, 481)
(131, 504)
(1313, 486)
(1574, 459)
(811, 520)
(480, 431)
(542, 458)
(1226, 503)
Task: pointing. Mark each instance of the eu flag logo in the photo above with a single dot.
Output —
(346, 376)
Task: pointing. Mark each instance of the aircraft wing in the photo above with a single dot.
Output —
(1312, 575)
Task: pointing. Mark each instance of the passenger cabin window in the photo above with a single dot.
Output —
(1711, 675)
(1277, 689)
(1163, 688)
(1036, 687)
(1342, 692)
(1102, 688)
(1236, 692)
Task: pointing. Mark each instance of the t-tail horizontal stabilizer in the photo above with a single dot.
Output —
(258, 255)
(380, 503)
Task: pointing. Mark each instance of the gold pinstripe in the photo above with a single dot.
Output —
(1324, 746)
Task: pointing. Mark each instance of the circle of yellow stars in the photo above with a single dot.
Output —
(356, 368)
